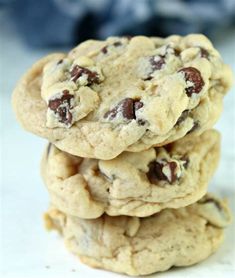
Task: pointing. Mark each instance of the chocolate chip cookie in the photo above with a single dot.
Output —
(136, 184)
(123, 94)
(140, 246)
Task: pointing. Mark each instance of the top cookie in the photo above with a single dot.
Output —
(123, 94)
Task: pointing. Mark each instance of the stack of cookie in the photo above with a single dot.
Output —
(132, 150)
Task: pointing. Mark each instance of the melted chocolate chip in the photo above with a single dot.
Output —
(193, 75)
(204, 53)
(104, 50)
(155, 173)
(127, 107)
(182, 117)
(92, 76)
(61, 107)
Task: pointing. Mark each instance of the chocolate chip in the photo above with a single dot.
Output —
(155, 173)
(111, 114)
(182, 117)
(104, 50)
(127, 107)
(60, 62)
(204, 53)
(141, 122)
(138, 105)
(173, 166)
(61, 106)
(176, 52)
(157, 62)
(92, 76)
(65, 115)
(193, 75)
(116, 44)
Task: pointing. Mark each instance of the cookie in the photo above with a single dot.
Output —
(140, 246)
(123, 94)
(135, 184)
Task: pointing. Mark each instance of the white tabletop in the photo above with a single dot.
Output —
(27, 250)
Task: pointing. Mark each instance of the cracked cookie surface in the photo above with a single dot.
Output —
(135, 184)
(123, 94)
(140, 246)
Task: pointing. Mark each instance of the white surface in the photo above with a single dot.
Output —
(27, 250)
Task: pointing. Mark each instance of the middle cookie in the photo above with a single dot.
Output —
(134, 184)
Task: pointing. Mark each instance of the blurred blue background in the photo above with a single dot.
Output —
(68, 22)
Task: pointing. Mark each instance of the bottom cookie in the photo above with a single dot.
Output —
(140, 246)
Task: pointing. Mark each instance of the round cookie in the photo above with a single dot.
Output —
(135, 184)
(123, 94)
(140, 246)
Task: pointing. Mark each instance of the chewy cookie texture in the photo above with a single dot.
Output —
(123, 94)
(140, 246)
(136, 184)
(131, 148)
